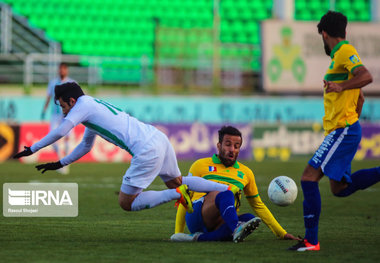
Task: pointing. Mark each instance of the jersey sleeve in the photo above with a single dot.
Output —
(53, 136)
(350, 59)
(252, 194)
(83, 148)
(250, 190)
(263, 212)
(78, 113)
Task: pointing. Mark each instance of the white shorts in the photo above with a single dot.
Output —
(156, 158)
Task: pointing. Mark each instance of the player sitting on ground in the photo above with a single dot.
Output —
(216, 219)
(214, 214)
(152, 153)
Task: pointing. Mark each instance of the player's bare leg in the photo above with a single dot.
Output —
(336, 187)
(174, 183)
(311, 174)
(125, 200)
(360, 180)
(210, 213)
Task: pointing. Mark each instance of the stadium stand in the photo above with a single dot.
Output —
(355, 10)
(127, 28)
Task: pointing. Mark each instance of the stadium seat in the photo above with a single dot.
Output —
(126, 28)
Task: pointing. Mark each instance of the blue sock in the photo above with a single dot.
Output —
(245, 217)
(225, 202)
(223, 233)
(311, 210)
(361, 179)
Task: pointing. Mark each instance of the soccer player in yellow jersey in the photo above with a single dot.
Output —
(214, 217)
(343, 101)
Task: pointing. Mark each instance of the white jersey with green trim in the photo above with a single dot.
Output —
(111, 123)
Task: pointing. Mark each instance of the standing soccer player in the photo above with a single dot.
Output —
(343, 101)
(152, 153)
(56, 112)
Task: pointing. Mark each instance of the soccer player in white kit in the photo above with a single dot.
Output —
(152, 153)
(56, 112)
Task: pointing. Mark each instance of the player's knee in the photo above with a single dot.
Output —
(311, 174)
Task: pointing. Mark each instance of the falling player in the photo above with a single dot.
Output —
(152, 153)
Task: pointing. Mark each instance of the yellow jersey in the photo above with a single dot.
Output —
(340, 108)
(238, 175)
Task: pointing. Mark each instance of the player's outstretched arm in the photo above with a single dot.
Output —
(53, 135)
(263, 212)
(26, 152)
(83, 148)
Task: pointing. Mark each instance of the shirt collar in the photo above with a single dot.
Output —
(337, 46)
(216, 160)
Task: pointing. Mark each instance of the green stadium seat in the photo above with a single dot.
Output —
(127, 27)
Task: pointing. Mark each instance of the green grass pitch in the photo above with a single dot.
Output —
(349, 227)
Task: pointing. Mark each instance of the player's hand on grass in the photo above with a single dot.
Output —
(291, 237)
(49, 166)
(26, 152)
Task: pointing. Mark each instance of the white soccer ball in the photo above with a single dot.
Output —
(282, 191)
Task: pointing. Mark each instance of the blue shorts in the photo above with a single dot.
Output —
(337, 151)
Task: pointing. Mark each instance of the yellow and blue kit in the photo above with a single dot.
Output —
(238, 175)
(340, 107)
(343, 135)
(341, 125)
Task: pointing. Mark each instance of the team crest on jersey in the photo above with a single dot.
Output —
(354, 59)
(212, 169)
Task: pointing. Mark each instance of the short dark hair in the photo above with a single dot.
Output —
(230, 130)
(334, 24)
(63, 64)
(67, 90)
